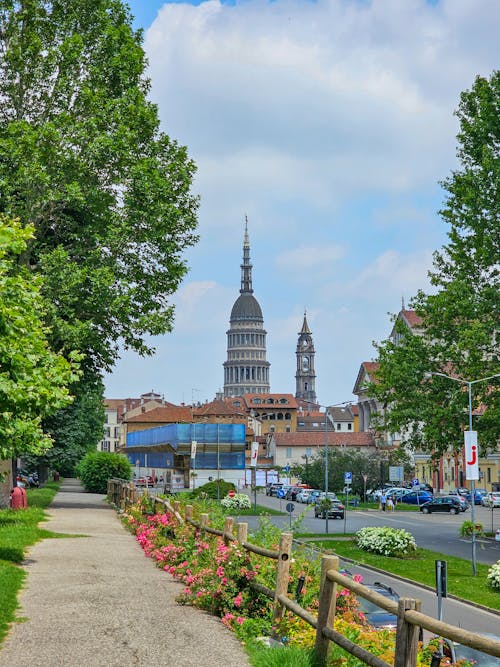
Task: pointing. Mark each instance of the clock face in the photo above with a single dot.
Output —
(305, 363)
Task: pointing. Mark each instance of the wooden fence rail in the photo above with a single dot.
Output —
(407, 610)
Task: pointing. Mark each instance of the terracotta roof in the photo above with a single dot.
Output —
(355, 409)
(164, 415)
(412, 318)
(368, 368)
(217, 407)
(339, 414)
(114, 403)
(317, 439)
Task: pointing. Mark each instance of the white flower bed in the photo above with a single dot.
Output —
(493, 577)
(386, 541)
(238, 502)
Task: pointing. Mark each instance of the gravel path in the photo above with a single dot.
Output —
(97, 601)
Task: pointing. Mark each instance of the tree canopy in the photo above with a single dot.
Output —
(108, 194)
(83, 160)
(461, 317)
(33, 379)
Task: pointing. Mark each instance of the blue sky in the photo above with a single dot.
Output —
(329, 124)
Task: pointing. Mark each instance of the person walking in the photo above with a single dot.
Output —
(383, 500)
(390, 504)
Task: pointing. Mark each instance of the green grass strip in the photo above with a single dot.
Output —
(18, 531)
(421, 569)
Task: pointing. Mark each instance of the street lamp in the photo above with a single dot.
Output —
(469, 384)
(336, 405)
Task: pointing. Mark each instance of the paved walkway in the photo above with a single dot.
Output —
(97, 601)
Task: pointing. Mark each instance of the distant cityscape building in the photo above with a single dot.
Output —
(305, 377)
(246, 370)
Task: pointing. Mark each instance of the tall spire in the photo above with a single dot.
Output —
(246, 267)
(305, 327)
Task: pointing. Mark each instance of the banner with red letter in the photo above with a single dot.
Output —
(255, 453)
(471, 455)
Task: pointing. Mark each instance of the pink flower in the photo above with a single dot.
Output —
(238, 600)
(240, 620)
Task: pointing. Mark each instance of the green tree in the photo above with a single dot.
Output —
(33, 379)
(82, 158)
(340, 462)
(461, 318)
(97, 467)
(75, 429)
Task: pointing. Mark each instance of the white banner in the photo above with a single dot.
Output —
(471, 456)
(193, 448)
(255, 453)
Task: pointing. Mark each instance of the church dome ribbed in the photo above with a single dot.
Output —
(246, 308)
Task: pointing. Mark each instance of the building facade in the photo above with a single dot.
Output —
(246, 369)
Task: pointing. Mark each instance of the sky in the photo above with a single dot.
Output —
(330, 124)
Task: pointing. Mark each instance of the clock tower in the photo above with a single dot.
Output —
(305, 376)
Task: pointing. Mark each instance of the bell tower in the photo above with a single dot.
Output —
(305, 376)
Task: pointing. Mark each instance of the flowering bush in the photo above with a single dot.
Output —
(493, 576)
(240, 501)
(386, 541)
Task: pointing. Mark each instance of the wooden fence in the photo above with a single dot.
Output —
(409, 617)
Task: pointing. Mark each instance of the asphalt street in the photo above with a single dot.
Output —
(437, 532)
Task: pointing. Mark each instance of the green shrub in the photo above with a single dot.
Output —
(209, 490)
(468, 527)
(97, 467)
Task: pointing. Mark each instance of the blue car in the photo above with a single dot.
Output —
(416, 498)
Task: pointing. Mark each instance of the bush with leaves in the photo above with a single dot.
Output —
(96, 468)
(386, 541)
(240, 501)
(493, 576)
(209, 490)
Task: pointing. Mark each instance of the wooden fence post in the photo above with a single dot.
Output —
(285, 550)
(177, 506)
(406, 635)
(228, 529)
(188, 512)
(242, 532)
(326, 610)
(203, 521)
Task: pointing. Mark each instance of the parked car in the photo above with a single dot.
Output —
(462, 491)
(376, 616)
(303, 494)
(292, 493)
(459, 653)
(416, 497)
(478, 495)
(335, 511)
(311, 498)
(449, 504)
(464, 503)
(144, 481)
(491, 499)
(272, 488)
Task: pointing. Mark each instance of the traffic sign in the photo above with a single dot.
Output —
(348, 478)
(415, 481)
(231, 493)
(290, 507)
(280, 493)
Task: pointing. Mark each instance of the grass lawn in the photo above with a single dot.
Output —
(261, 510)
(19, 530)
(420, 569)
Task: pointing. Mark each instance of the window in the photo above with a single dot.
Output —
(284, 401)
(349, 427)
(488, 474)
(339, 426)
(288, 428)
(271, 429)
(288, 452)
(256, 401)
(105, 446)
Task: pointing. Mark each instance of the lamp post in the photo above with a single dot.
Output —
(326, 450)
(469, 384)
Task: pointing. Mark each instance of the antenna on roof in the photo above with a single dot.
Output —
(402, 303)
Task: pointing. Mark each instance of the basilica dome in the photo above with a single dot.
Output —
(246, 308)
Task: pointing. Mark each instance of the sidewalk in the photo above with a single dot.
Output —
(97, 601)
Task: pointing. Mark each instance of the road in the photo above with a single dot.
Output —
(437, 532)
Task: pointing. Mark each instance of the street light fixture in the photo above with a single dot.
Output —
(469, 384)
